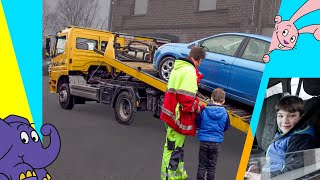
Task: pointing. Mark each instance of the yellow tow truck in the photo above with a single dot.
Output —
(112, 68)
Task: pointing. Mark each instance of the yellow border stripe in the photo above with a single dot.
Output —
(12, 93)
(245, 155)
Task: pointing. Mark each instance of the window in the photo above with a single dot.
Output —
(86, 44)
(104, 45)
(207, 5)
(294, 88)
(255, 50)
(276, 89)
(227, 45)
(61, 41)
(140, 7)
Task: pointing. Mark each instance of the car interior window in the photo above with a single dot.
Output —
(104, 45)
(86, 44)
(302, 93)
(276, 89)
(227, 45)
(60, 45)
(255, 50)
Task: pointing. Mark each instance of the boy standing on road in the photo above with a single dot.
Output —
(179, 110)
(214, 122)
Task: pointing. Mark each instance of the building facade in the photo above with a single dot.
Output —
(188, 20)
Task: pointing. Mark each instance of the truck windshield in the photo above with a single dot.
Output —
(60, 45)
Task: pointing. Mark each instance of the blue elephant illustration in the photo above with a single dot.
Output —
(22, 155)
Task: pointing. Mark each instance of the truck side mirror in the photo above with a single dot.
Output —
(48, 47)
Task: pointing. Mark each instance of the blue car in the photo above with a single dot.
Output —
(233, 62)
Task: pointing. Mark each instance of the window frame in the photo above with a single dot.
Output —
(96, 45)
(204, 10)
(135, 13)
(246, 45)
(235, 54)
(103, 41)
(64, 45)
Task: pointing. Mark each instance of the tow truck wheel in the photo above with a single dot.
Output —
(123, 109)
(65, 98)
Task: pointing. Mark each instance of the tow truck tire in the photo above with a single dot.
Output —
(123, 109)
(65, 98)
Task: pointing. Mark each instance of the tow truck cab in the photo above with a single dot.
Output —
(71, 52)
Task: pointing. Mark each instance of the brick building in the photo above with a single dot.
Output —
(188, 20)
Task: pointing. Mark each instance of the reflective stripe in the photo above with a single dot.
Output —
(164, 174)
(187, 93)
(180, 165)
(173, 174)
(167, 112)
(181, 91)
(183, 127)
(194, 104)
(172, 90)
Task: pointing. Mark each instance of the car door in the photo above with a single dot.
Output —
(220, 54)
(246, 72)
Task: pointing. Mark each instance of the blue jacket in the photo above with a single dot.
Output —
(214, 121)
(279, 155)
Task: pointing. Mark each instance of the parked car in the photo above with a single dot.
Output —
(233, 62)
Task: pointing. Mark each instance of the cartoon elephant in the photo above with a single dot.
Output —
(22, 155)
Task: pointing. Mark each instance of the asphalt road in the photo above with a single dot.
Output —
(94, 146)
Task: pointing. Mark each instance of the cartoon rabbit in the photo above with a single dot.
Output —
(285, 33)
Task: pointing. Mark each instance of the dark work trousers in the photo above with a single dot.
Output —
(208, 156)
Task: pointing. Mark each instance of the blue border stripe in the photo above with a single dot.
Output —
(24, 19)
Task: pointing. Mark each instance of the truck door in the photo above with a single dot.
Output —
(247, 70)
(59, 60)
(82, 51)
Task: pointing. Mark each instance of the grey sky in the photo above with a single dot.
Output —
(103, 13)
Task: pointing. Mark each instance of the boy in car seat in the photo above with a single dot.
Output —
(280, 154)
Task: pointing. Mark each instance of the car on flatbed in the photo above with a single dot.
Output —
(233, 62)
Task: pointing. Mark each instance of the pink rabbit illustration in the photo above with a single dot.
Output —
(285, 33)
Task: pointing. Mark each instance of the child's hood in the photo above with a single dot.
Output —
(215, 112)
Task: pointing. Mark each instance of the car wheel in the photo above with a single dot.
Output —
(166, 67)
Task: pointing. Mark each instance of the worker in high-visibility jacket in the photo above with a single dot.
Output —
(179, 111)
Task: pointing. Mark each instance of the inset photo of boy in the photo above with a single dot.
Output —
(286, 142)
